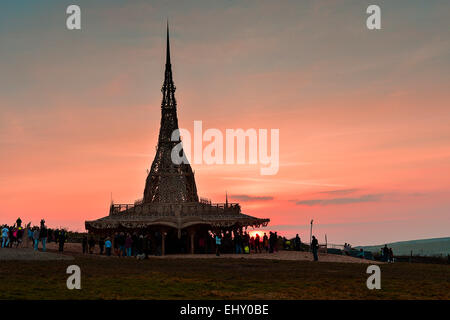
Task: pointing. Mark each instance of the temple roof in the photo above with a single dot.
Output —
(137, 222)
(175, 215)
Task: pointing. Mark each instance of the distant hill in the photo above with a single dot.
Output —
(424, 247)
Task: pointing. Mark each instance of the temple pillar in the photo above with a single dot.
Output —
(163, 243)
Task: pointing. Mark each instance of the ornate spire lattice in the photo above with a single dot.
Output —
(168, 182)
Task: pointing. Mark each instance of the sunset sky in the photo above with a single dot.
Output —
(364, 116)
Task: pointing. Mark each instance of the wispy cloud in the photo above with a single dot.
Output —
(339, 192)
(300, 182)
(247, 198)
(337, 201)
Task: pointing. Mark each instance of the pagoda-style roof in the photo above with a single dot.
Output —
(175, 215)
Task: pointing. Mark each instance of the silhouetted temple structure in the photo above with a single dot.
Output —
(170, 206)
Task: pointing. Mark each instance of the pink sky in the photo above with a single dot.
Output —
(363, 116)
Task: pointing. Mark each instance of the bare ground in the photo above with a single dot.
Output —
(75, 248)
(28, 254)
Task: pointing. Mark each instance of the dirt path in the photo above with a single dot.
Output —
(280, 255)
(30, 255)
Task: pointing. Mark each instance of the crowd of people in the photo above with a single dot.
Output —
(121, 244)
(244, 243)
(13, 236)
(387, 254)
(126, 244)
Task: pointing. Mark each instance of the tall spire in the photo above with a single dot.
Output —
(168, 88)
(168, 181)
(168, 46)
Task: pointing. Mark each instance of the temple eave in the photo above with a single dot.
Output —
(177, 222)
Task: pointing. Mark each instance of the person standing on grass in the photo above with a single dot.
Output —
(386, 253)
(91, 244)
(108, 246)
(121, 242)
(297, 243)
(271, 242)
(19, 235)
(84, 244)
(43, 236)
(128, 244)
(5, 236)
(246, 239)
(315, 247)
(30, 234)
(275, 242)
(257, 244)
(218, 243)
(14, 237)
(252, 243)
(391, 255)
(101, 244)
(61, 240)
(36, 238)
(266, 242)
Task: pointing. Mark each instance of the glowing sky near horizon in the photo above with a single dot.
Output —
(363, 115)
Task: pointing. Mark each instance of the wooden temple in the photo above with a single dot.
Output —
(170, 206)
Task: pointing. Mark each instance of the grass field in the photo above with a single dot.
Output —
(112, 278)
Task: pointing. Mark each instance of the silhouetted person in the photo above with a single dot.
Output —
(271, 242)
(84, 244)
(265, 242)
(275, 242)
(315, 247)
(108, 246)
(257, 244)
(297, 242)
(43, 235)
(386, 253)
(101, 244)
(121, 242)
(61, 240)
(91, 243)
(128, 244)
(218, 244)
(238, 243)
(391, 255)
